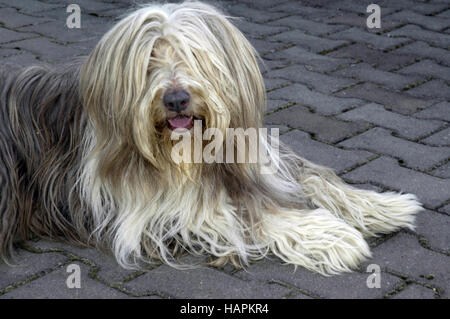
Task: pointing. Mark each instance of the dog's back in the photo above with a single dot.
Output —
(40, 111)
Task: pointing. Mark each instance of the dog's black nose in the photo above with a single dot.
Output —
(176, 101)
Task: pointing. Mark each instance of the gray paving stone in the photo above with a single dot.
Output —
(403, 125)
(345, 286)
(323, 154)
(91, 6)
(432, 191)
(53, 285)
(434, 227)
(59, 31)
(22, 58)
(266, 65)
(427, 22)
(316, 62)
(432, 89)
(203, 283)
(11, 18)
(309, 42)
(325, 129)
(294, 7)
(381, 42)
(297, 295)
(359, 20)
(417, 33)
(364, 72)
(320, 82)
(356, 6)
(84, 47)
(272, 105)
(257, 30)
(7, 36)
(116, 13)
(441, 138)
(86, 19)
(8, 52)
(377, 58)
(445, 209)
(369, 187)
(96, 24)
(380, 141)
(108, 269)
(404, 254)
(307, 26)
(444, 14)
(399, 102)
(321, 103)
(424, 50)
(253, 14)
(442, 171)
(265, 47)
(31, 6)
(422, 7)
(272, 84)
(27, 265)
(45, 49)
(414, 291)
(266, 4)
(439, 111)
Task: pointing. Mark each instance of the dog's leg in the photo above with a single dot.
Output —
(314, 239)
(371, 212)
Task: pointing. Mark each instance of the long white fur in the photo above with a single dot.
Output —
(323, 233)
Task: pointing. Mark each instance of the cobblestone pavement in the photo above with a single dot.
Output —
(373, 104)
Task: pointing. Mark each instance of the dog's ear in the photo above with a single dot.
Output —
(114, 87)
(236, 73)
(113, 78)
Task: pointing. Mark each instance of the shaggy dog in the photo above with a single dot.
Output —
(85, 156)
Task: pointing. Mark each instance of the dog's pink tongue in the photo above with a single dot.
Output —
(181, 121)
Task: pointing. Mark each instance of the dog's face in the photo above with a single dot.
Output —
(178, 98)
(159, 69)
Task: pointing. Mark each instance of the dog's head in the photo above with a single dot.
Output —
(160, 68)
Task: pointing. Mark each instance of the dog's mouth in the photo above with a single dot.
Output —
(181, 122)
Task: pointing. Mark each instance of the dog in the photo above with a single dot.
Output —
(86, 156)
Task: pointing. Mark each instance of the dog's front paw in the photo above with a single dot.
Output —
(316, 240)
